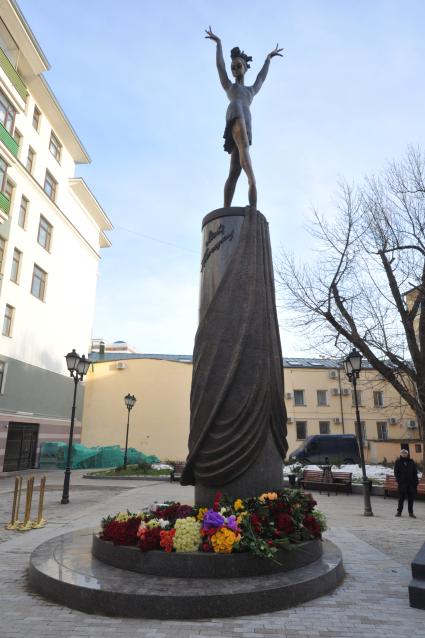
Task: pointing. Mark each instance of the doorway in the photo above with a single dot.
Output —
(21, 446)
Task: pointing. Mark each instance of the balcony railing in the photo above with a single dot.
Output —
(8, 141)
(4, 207)
(13, 75)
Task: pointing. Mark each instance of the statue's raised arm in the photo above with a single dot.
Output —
(263, 73)
(221, 67)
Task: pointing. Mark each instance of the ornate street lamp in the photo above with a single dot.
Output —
(352, 365)
(78, 368)
(129, 401)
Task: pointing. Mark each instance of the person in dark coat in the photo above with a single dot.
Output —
(406, 475)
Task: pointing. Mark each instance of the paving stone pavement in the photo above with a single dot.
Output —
(372, 600)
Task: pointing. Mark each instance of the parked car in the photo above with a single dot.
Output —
(323, 449)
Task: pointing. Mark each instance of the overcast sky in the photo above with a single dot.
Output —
(138, 81)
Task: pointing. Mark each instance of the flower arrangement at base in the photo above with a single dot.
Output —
(167, 540)
(223, 540)
(150, 538)
(187, 535)
(261, 525)
(121, 530)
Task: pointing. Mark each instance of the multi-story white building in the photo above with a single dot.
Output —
(51, 231)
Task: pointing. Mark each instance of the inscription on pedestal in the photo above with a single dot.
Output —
(212, 235)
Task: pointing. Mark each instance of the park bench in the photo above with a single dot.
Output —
(391, 487)
(327, 480)
(177, 470)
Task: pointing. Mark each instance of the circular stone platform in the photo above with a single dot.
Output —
(204, 565)
(64, 570)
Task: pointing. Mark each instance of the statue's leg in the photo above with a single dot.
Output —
(241, 140)
(234, 172)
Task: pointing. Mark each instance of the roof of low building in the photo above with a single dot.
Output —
(97, 357)
(288, 362)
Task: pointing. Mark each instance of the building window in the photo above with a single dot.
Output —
(55, 147)
(2, 251)
(23, 211)
(8, 320)
(3, 174)
(359, 398)
(7, 113)
(17, 136)
(2, 376)
(38, 285)
(322, 398)
(8, 189)
(36, 118)
(30, 160)
(50, 185)
(45, 233)
(324, 427)
(301, 429)
(16, 266)
(299, 397)
(418, 448)
(382, 428)
(378, 399)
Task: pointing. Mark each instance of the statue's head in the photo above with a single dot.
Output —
(239, 62)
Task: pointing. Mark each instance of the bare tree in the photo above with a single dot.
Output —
(367, 285)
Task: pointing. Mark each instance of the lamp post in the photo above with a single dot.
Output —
(78, 368)
(352, 365)
(129, 401)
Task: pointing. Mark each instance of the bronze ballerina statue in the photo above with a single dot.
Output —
(238, 132)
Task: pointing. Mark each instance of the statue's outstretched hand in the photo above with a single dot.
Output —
(276, 51)
(211, 36)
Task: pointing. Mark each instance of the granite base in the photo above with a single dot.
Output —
(417, 584)
(64, 570)
(203, 564)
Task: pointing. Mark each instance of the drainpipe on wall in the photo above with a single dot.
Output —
(340, 400)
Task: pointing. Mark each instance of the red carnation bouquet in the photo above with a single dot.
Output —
(121, 532)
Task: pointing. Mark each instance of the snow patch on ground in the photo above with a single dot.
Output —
(375, 472)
